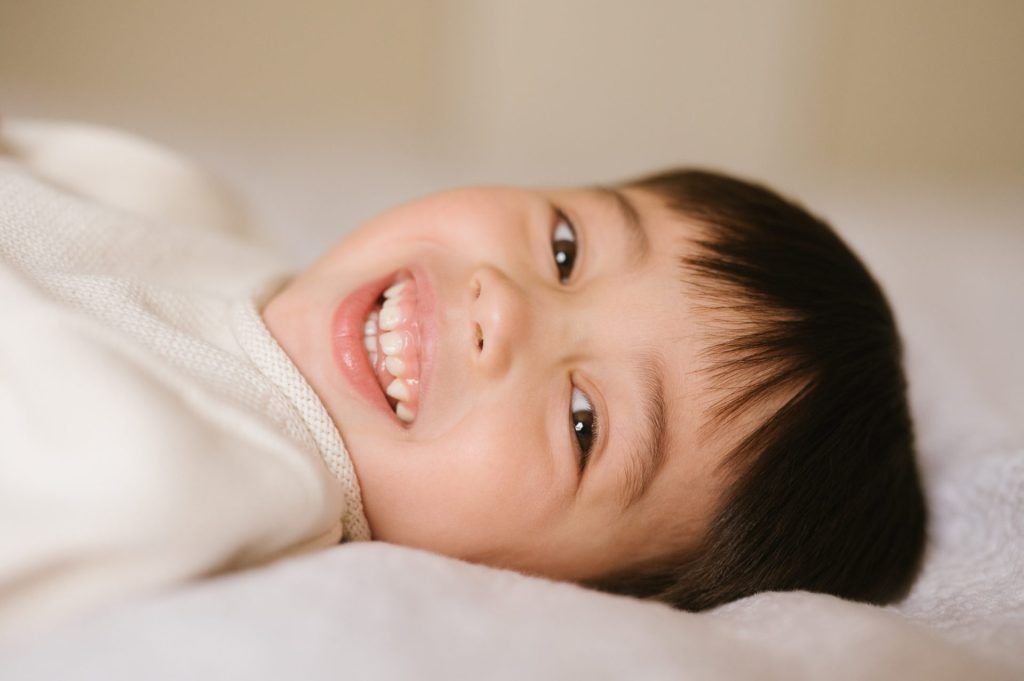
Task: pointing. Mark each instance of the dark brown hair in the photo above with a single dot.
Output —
(824, 493)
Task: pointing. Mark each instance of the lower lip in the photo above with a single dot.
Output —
(347, 328)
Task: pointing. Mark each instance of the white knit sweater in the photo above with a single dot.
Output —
(151, 429)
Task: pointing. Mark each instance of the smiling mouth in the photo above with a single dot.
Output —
(391, 337)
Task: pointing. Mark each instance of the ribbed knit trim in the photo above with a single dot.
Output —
(261, 347)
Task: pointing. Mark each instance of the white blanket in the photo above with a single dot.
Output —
(372, 610)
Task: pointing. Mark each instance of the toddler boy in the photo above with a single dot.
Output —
(683, 388)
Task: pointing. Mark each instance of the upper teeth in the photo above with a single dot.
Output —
(390, 315)
(395, 365)
(398, 345)
(398, 389)
(394, 290)
(392, 342)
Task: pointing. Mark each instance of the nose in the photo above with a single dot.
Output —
(500, 319)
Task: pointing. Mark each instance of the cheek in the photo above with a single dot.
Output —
(473, 491)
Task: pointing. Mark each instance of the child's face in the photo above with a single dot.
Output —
(512, 362)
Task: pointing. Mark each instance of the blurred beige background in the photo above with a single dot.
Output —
(900, 120)
(323, 112)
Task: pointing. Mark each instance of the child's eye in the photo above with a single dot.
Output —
(584, 424)
(563, 246)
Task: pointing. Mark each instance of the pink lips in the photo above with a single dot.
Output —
(347, 328)
(347, 332)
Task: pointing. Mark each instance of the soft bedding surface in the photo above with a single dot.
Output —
(374, 610)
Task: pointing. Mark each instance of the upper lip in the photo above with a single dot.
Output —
(348, 326)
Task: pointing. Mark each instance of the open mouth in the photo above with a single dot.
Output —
(391, 337)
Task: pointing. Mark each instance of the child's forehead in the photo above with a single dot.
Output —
(666, 227)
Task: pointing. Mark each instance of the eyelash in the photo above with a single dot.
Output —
(584, 427)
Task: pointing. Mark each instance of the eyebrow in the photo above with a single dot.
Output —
(640, 244)
(648, 455)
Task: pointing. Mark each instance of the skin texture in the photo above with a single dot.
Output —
(489, 470)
